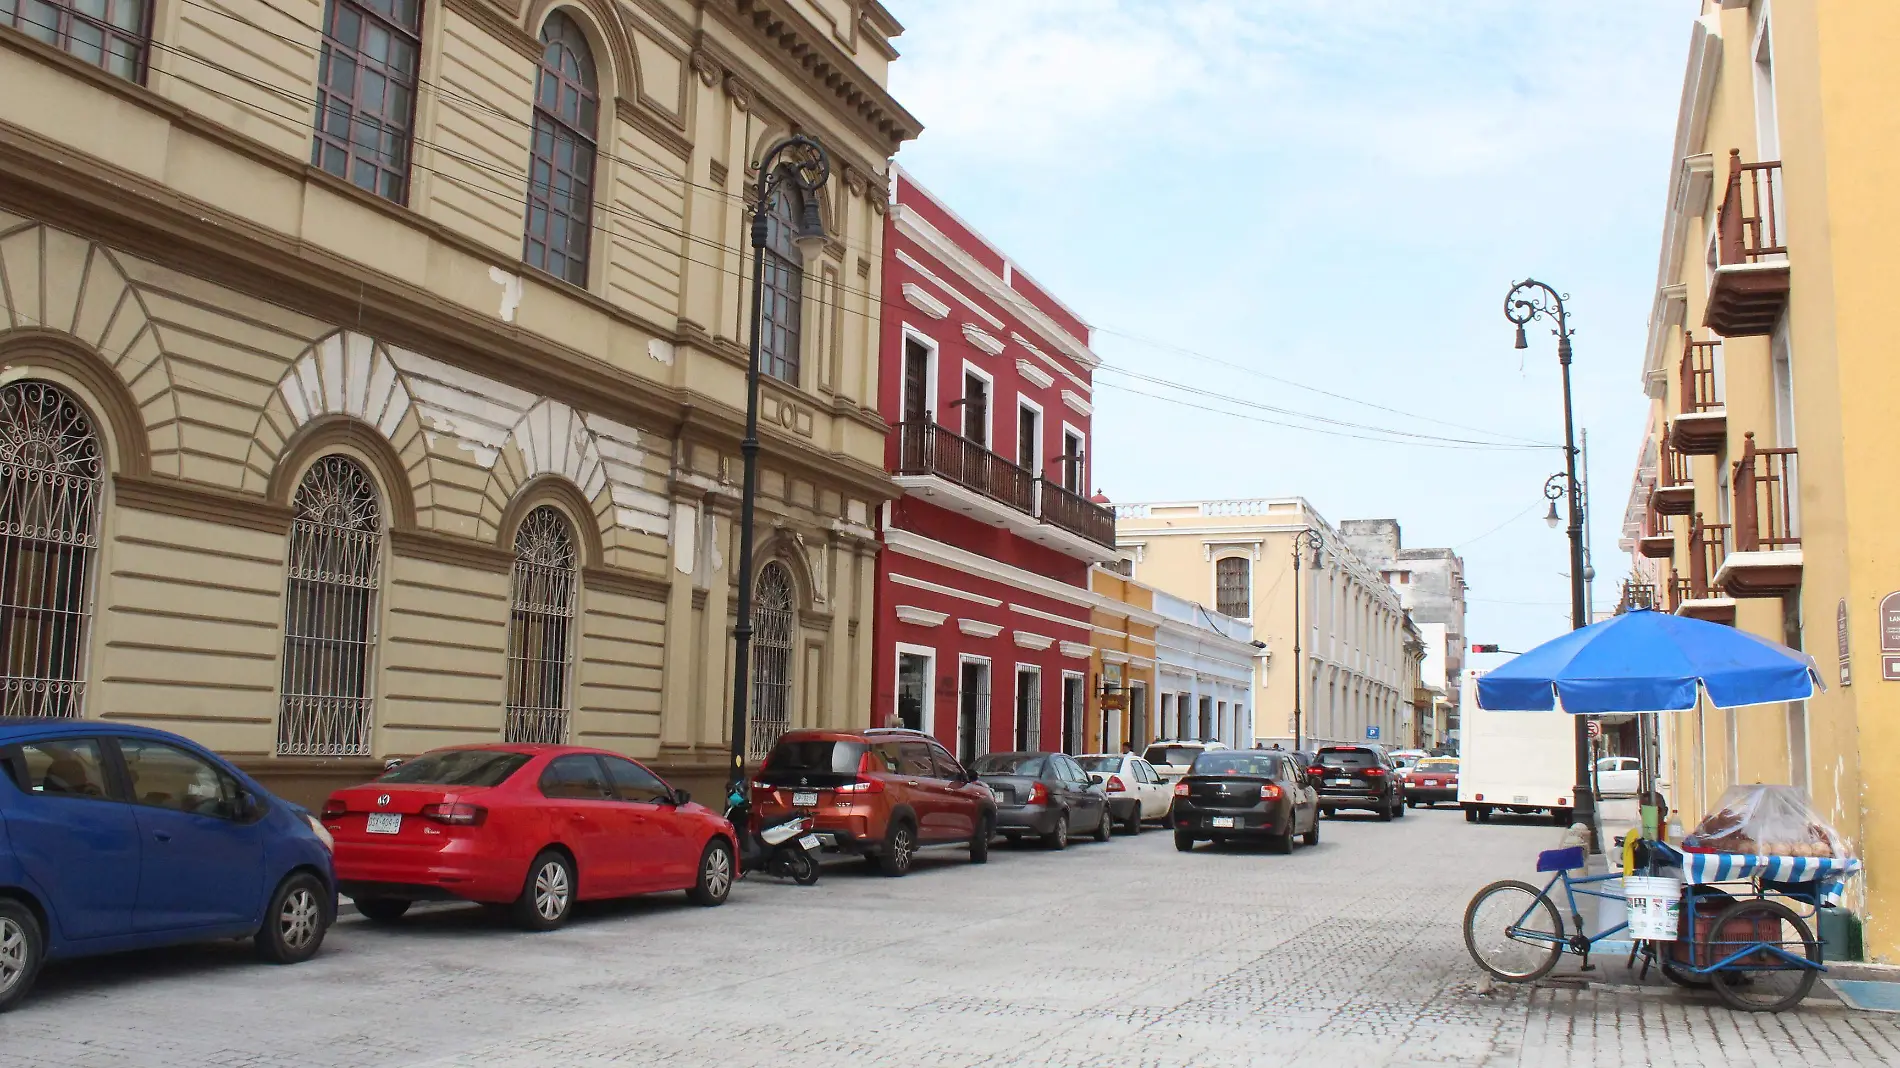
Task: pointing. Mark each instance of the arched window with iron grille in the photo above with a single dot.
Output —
(784, 281)
(50, 479)
(540, 629)
(335, 574)
(774, 629)
(561, 179)
(114, 34)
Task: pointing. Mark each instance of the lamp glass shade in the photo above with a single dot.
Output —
(1521, 342)
(811, 230)
(1551, 520)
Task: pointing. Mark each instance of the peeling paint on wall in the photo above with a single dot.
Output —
(661, 351)
(510, 293)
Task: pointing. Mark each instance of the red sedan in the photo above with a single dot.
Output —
(1430, 781)
(534, 827)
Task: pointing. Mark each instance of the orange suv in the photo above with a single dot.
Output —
(881, 794)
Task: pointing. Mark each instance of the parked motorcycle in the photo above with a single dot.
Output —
(788, 849)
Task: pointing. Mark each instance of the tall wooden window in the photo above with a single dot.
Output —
(774, 629)
(561, 181)
(50, 477)
(336, 544)
(1232, 577)
(114, 34)
(783, 267)
(540, 629)
(366, 93)
(916, 382)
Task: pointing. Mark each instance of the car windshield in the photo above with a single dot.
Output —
(1030, 764)
(1100, 763)
(1439, 767)
(1347, 758)
(1171, 754)
(458, 767)
(1235, 763)
(823, 755)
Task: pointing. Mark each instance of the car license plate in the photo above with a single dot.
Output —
(384, 823)
(1431, 782)
(1339, 782)
(1221, 821)
(1522, 799)
(811, 842)
(804, 798)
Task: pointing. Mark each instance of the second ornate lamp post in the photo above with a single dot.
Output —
(1528, 301)
(802, 162)
(1303, 541)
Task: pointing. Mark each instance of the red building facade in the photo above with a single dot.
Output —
(982, 627)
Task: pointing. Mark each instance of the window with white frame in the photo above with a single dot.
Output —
(914, 673)
(1233, 586)
(1028, 708)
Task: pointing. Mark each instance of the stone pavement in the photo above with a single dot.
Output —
(1119, 955)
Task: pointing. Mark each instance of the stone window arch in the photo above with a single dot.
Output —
(330, 612)
(51, 480)
(561, 164)
(774, 637)
(541, 614)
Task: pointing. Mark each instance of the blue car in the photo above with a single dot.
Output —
(117, 837)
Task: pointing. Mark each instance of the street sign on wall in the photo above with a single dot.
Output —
(1840, 625)
(1890, 637)
(1594, 728)
(1372, 734)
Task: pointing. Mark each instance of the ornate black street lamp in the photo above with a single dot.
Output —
(1303, 541)
(1528, 301)
(802, 161)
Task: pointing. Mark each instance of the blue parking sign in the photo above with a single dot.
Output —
(1372, 734)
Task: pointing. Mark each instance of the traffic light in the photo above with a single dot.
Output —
(1484, 649)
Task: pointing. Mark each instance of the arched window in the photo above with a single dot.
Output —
(366, 93)
(336, 544)
(784, 286)
(50, 474)
(1232, 578)
(540, 635)
(561, 185)
(774, 627)
(114, 34)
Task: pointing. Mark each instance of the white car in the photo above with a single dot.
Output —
(1136, 792)
(1172, 759)
(1619, 775)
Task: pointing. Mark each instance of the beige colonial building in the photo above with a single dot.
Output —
(374, 370)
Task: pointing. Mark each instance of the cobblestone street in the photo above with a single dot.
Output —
(1113, 955)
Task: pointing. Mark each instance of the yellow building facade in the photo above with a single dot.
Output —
(373, 373)
(1764, 497)
(1122, 665)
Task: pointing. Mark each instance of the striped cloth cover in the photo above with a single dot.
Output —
(1701, 868)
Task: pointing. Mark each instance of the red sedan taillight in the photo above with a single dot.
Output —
(1115, 785)
(1271, 792)
(457, 814)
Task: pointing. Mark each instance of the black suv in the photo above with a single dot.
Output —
(1358, 776)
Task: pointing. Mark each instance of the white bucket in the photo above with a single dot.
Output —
(1655, 906)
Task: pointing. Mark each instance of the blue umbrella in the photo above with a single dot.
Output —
(1647, 661)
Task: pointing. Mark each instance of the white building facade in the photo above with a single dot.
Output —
(1204, 673)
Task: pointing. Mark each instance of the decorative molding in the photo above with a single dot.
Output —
(920, 617)
(703, 65)
(976, 628)
(864, 267)
(450, 550)
(930, 276)
(943, 249)
(1076, 403)
(918, 297)
(627, 583)
(499, 26)
(664, 134)
(975, 335)
(1038, 377)
(906, 580)
(1051, 617)
(740, 93)
(1079, 650)
(855, 181)
(1080, 382)
(208, 504)
(1028, 640)
(1209, 548)
(1114, 656)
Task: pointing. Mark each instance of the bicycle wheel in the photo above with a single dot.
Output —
(1513, 931)
(1762, 981)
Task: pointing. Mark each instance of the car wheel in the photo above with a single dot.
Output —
(1106, 829)
(714, 884)
(1385, 813)
(295, 922)
(1132, 825)
(382, 909)
(1312, 836)
(1183, 842)
(1471, 815)
(1058, 838)
(1281, 843)
(980, 841)
(22, 948)
(900, 848)
(1398, 808)
(547, 897)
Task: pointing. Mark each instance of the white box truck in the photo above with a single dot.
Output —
(1520, 762)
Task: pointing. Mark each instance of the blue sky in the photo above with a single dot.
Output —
(1334, 193)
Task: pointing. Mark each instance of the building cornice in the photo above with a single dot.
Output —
(1692, 124)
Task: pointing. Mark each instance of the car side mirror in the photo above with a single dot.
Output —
(680, 797)
(244, 807)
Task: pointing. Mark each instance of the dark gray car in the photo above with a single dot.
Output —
(1046, 795)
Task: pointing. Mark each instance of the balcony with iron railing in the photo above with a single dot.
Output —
(1701, 427)
(936, 463)
(1675, 483)
(1749, 288)
(1702, 596)
(1766, 561)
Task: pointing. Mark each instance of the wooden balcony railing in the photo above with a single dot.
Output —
(1076, 514)
(1678, 590)
(1764, 490)
(1675, 464)
(1699, 393)
(1708, 544)
(931, 449)
(1748, 230)
(1636, 595)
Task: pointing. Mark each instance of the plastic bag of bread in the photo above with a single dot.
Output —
(1764, 820)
